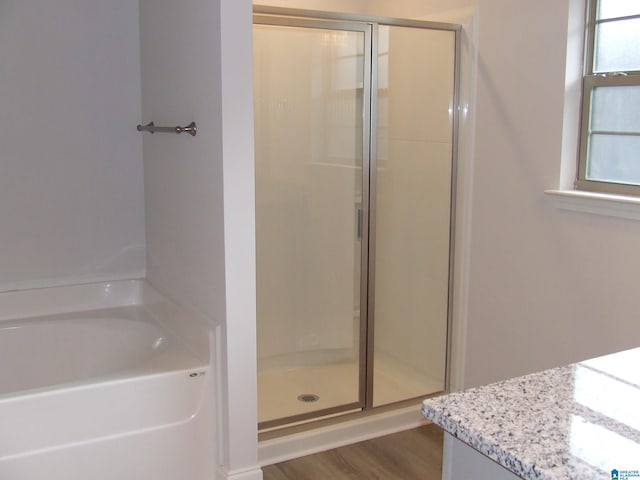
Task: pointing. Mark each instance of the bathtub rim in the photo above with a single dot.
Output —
(189, 328)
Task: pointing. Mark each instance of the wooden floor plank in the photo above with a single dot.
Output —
(411, 455)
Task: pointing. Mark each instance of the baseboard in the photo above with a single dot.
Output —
(251, 474)
(325, 438)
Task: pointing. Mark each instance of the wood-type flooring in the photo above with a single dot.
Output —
(411, 455)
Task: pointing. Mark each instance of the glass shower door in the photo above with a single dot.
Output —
(311, 82)
(413, 210)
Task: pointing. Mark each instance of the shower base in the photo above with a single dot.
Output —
(334, 385)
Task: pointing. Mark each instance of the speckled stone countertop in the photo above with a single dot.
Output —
(576, 422)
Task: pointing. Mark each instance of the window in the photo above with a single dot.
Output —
(610, 133)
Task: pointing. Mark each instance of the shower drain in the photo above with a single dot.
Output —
(308, 397)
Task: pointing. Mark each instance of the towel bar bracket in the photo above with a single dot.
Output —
(191, 129)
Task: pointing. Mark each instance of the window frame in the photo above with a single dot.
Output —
(590, 81)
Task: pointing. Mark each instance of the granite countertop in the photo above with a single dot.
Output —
(580, 421)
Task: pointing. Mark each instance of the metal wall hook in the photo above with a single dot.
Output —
(191, 129)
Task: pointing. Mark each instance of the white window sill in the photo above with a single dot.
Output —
(597, 203)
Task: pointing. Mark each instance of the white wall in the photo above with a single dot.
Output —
(436, 10)
(71, 201)
(347, 6)
(183, 174)
(546, 286)
(443, 10)
(239, 381)
(199, 194)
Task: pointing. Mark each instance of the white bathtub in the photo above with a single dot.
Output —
(103, 381)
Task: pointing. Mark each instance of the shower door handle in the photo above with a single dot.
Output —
(359, 223)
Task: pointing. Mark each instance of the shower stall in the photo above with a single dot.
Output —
(355, 159)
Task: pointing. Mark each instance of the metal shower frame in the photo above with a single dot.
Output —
(266, 15)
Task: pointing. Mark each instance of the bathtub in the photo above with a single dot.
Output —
(104, 381)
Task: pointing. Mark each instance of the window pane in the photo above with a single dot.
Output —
(617, 46)
(616, 109)
(614, 158)
(618, 8)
